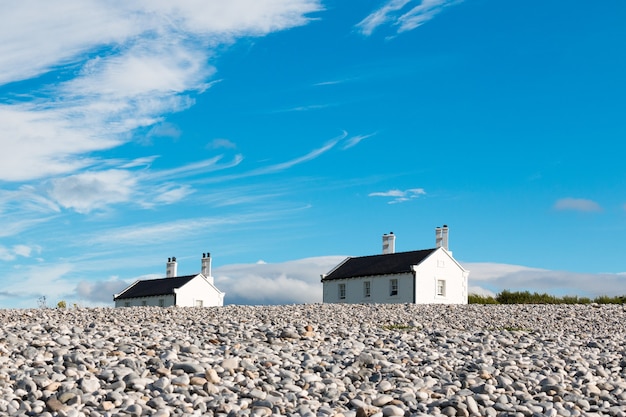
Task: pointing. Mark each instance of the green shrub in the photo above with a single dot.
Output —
(526, 297)
(481, 299)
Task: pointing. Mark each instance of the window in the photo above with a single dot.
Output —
(342, 291)
(441, 287)
(367, 289)
(161, 302)
(441, 263)
(126, 303)
(199, 303)
(393, 287)
(144, 303)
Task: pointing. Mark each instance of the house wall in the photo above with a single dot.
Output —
(198, 289)
(440, 266)
(380, 290)
(168, 301)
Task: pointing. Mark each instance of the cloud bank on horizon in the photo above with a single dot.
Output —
(292, 130)
(299, 282)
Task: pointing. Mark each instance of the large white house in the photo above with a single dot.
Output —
(197, 290)
(427, 276)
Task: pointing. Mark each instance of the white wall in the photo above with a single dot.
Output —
(199, 289)
(441, 266)
(438, 266)
(168, 301)
(380, 287)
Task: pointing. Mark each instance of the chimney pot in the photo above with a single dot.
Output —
(389, 243)
(171, 268)
(206, 267)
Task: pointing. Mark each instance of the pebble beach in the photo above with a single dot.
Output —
(315, 360)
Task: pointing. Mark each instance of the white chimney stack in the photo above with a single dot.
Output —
(389, 243)
(441, 237)
(206, 265)
(171, 267)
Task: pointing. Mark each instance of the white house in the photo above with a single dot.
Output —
(197, 290)
(426, 276)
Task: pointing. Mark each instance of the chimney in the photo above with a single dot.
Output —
(206, 265)
(171, 267)
(441, 237)
(389, 243)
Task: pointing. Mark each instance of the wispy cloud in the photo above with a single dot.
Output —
(355, 140)
(306, 108)
(9, 254)
(402, 15)
(577, 204)
(221, 143)
(400, 196)
(121, 67)
(282, 166)
(92, 190)
(148, 233)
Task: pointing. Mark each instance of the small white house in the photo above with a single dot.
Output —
(427, 276)
(197, 290)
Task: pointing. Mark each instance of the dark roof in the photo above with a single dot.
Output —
(390, 263)
(154, 287)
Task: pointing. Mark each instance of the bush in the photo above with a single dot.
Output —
(526, 297)
(481, 299)
(61, 304)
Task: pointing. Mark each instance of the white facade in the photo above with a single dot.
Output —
(436, 279)
(199, 292)
(188, 291)
(156, 301)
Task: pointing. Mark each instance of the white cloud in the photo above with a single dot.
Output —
(381, 16)
(493, 277)
(392, 13)
(163, 130)
(170, 193)
(121, 65)
(22, 250)
(39, 280)
(43, 142)
(142, 234)
(289, 282)
(299, 281)
(355, 140)
(577, 204)
(221, 143)
(46, 35)
(400, 196)
(100, 291)
(93, 190)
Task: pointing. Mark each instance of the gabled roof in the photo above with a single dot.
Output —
(391, 263)
(154, 287)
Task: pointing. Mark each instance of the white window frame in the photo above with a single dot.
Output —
(367, 289)
(393, 287)
(441, 288)
(199, 303)
(342, 291)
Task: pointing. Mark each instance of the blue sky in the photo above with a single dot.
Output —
(284, 135)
